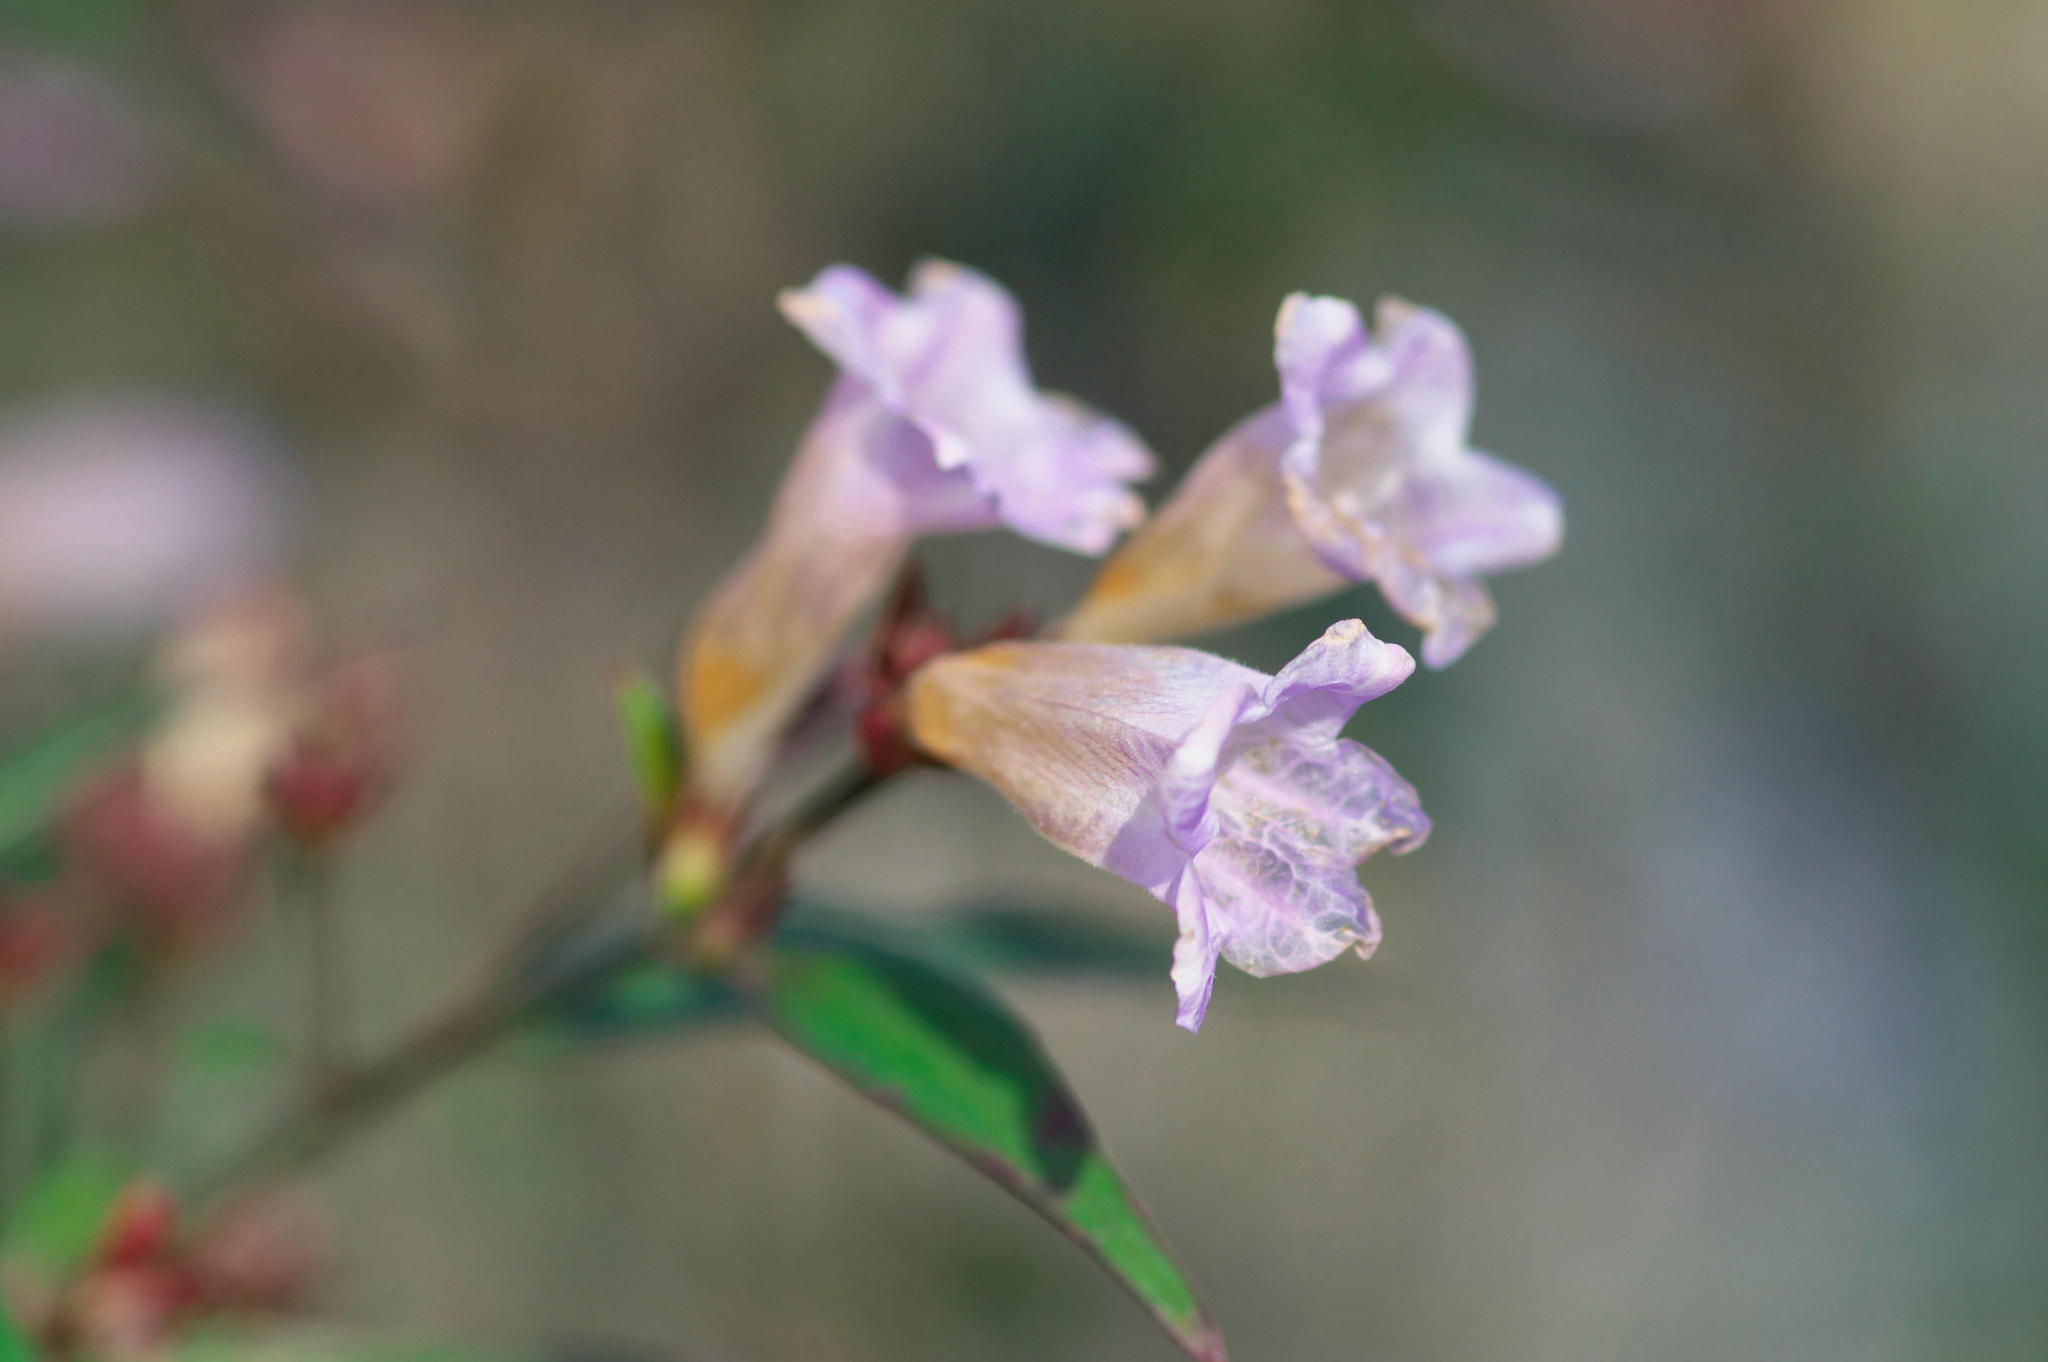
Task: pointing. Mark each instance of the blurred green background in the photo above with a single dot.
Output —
(1710, 1023)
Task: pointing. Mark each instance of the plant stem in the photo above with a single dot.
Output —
(520, 988)
(327, 990)
(353, 1099)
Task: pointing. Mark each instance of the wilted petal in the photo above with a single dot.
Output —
(932, 428)
(1225, 793)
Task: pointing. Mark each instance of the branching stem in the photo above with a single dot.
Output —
(520, 988)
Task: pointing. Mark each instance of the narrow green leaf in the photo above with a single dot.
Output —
(61, 1218)
(955, 1062)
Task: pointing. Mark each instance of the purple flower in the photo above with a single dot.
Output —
(118, 511)
(981, 447)
(1379, 477)
(1360, 472)
(1225, 793)
(933, 427)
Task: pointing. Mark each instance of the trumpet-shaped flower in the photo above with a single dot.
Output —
(1360, 472)
(1225, 793)
(933, 427)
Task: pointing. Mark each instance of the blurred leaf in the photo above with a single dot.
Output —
(35, 780)
(59, 1221)
(232, 1049)
(71, 23)
(14, 1345)
(952, 1060)
(645, 1000)
(652, 746)
(1016, 938)
(1040, 939)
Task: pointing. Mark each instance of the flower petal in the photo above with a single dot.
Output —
(949, 359)
(1194, 953)
(1379, 479)
(1469, 514)
(1430, 389)
(1076, 736)
(1292, 828)
(840, 528)
(1313, 696)
(1223, 549)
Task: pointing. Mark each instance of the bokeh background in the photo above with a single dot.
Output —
(1710, 1023)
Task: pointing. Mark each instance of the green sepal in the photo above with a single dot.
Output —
(653, 748)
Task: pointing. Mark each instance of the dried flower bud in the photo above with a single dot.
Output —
(340, 760)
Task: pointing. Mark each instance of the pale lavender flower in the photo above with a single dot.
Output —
(116, 512)
(933, 427)
(1360, 472)
(1225, 793)
(1379, 476)
(948, 361)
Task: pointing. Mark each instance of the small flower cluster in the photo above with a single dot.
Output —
(147, 1280)
(1226, 793)
(254, 740)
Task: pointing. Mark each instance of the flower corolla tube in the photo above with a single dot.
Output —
(1361, 472)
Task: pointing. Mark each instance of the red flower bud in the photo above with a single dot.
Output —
(340, 762)
(176, 881)
(141, 1229)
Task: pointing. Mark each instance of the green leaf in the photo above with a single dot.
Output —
(953, 1061)
(14, 1345)
(35, 780)
(62, 1216)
